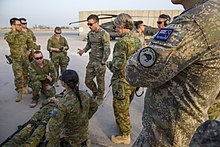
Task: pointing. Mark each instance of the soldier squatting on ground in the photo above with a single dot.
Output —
(43, 75)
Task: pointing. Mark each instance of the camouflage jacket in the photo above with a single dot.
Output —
(99, 43)
(40, 74)
(53, 42)
(141, 37)
(18, 41)
(182, 75)
(70, 119)
(123, 49)
(31, 34)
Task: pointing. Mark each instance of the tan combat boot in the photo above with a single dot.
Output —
(33, 103)
(18, 97)
(25, 90)
(121, 139)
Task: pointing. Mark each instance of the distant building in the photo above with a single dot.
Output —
(148, 16)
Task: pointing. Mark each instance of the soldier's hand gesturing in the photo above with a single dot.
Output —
(80, 52)
(49, 78)
(53, 100)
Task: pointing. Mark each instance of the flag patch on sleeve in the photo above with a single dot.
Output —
(163, 34)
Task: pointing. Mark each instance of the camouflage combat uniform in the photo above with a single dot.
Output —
(60, 59)
(18, 41)
(141, 37)
(207, 135)
(99, 43)
(32, 134)
(70, 119)
(39, 79)
(122, 91)
(31, 35)
(214, 110)
(182, 75)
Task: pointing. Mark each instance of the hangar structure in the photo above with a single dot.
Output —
(148, 16)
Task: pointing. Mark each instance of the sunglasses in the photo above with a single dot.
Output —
(159, 22)
(24, 23)
(90, 24)
(38, 58)
(58, 33)
(17, 24)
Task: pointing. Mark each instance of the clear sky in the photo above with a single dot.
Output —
(61, 12)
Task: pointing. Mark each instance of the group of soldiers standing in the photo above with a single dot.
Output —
(29, 67)
(170, 66)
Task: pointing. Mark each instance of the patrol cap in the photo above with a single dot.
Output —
(69, 75)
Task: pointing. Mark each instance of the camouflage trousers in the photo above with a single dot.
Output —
(40, 86)
(93, 71)
(60, 60)
(20, 70)
(122, 93)
(31, 135)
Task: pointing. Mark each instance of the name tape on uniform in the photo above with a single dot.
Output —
(163, 34)
(147, 57)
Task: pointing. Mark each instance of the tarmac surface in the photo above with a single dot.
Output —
(102, 124)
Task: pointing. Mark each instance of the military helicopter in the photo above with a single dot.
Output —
(109, 26)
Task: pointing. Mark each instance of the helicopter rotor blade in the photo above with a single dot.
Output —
(77, 22)
(107, 17)
(112, 15)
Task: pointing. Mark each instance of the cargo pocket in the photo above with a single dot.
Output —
(118, 89)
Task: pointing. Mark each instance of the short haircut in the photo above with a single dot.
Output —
(24, 19)
(57, 29)
(125, 20)
(165, 16)
(12, 20)
(38, 52)
(138, 23)
(94, 17)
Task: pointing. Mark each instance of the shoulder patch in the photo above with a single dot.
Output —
(163, 34)
(147, 57)
(53, 114)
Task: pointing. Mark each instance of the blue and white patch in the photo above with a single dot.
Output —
(53, 113)
(163, 34)
(147, 57)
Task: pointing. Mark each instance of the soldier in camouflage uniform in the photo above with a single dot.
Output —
(99, 43)
(180, 67)
(214, 110)
(122, 91)
(163, 21)
(57, 46)
(34, 130)
(18, 40)
(31, 35)
(70, 119)
(139, 32)
(43, 75)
